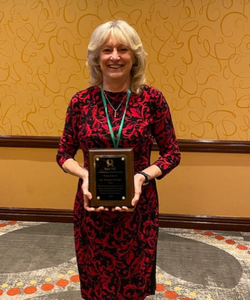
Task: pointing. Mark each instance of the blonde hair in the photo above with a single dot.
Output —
(124, 33)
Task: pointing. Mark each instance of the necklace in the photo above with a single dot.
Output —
(114, 109)
(115, 140)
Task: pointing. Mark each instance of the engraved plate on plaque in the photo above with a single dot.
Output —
(111, 177)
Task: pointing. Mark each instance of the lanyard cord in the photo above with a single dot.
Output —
(115, 141)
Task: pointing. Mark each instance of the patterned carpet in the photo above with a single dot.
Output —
(37, 261)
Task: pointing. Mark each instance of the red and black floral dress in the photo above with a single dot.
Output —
(116, 252)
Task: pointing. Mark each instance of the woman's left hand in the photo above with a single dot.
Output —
(138, 182)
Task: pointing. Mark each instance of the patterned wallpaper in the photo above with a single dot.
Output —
(198, 56)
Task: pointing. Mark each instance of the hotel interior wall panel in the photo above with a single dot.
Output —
(213, 184)
(198, 56)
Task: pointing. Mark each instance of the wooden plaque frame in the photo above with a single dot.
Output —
(111, 177)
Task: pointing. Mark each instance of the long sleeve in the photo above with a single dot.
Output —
(164, 135)
(69, 142)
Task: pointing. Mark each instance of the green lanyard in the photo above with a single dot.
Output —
(115, 141)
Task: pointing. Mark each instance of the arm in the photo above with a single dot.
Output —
(164, 134)
(68, 147)
(72, 167)
(139, 179)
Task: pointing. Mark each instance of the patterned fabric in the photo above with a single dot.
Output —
(116, 252)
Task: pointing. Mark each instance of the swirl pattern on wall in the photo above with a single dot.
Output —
(198, 56)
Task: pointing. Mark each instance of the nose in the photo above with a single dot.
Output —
(115, 55)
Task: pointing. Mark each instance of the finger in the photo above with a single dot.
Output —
(87, 194)
(125, 208)
(85, 189)
(121, 209)
(100, 208)
(86, 204)
(90, 209)
(117, 208)
(134, 202)
(135, 199)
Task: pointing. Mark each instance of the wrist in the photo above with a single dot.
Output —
(84, 173)
(146, 177)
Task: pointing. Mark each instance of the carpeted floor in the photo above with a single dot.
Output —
(37, 261)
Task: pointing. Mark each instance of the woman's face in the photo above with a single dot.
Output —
(116, 61)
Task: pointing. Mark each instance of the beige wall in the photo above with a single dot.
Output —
(198, 56)
(204, 184)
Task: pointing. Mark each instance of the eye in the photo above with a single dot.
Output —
(124, 49)
(106, 50)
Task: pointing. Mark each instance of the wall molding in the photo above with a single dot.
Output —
(165, 220)
(186, 145)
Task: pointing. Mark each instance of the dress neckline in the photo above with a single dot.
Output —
(115, 96)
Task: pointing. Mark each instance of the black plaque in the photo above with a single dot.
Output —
(111, 177)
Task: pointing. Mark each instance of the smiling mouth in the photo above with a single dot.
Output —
(115, 66)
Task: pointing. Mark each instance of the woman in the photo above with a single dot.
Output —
(116, 248)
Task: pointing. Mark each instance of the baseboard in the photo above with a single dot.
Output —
(36, 214)
(205, 222)
(166, 220)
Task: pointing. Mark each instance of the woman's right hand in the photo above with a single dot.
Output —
(87, 196)
(72, 167)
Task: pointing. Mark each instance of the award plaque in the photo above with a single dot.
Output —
(111, 177)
